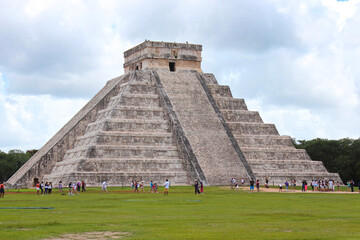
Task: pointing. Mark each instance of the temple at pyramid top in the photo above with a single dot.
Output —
(163, 55)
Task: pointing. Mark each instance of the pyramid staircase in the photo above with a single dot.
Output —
(268, 154)
(129, 140)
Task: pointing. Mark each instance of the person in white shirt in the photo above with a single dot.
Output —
(167, 185)
(103, 187)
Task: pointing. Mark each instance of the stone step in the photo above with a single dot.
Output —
(126, 138)
(241, 116)
(139, 87)
(146, 100)
(94, 179)
(133, 112)
(219, 90)
(116, 164)
(210, 79)
(287, 166)
(228, 103)
(108, 151)
(242, 128)
(275, 154)
(126, 125)
(264, 141)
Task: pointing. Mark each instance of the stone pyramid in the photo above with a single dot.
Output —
(165, 119)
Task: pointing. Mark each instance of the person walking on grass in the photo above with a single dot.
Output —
(2, 189)
(151, 186)
(70, 188)
(103, 187)
(352, 185)
(258, 185)
(38, 188)
(83, 186)
(202, 187)
(286, 185)
(251, 185)
(166, 189)
(60, 186)
(196, 187)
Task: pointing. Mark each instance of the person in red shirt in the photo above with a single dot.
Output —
(2, 189)
(37, 188)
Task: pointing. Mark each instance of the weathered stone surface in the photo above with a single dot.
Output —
(211, 145)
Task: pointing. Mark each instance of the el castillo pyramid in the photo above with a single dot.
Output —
(165, 118)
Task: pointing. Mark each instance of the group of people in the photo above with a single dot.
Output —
(74, 187)
(233, 183)
(44, 189)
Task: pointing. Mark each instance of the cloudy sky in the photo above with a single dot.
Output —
(297, 62)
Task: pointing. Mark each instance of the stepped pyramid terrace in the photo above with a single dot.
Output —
(166, 119)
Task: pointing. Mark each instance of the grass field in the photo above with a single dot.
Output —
(220, 213)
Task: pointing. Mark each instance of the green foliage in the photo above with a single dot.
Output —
(10, 162)
(220, 213)
(342, 156)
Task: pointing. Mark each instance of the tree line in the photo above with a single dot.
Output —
(10, 162)
(339, 156)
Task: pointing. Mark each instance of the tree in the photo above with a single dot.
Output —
(341, 156)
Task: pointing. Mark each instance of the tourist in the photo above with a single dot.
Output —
(286, 185)
(142, 186)
(156, 187)
(136, 186)
(70, 189)
(202, 187)
(280, 188)
(242, 182)
(133, 185)
(266, 182)
(46, 188)
(74, 186)
(338, 185)
(312, 184)
(257, 185)
(42, 187)
(50, 187)
(352, 185)
(359, 186)
(196, 186)
(104, 189)
(348, 185)
(78, 186)
(37, 188)
(151, 186)
(2, 189)
(232, 183)
(294, 184)
(331, 185)
(166, 189)
(60, 186)
(83, 186)
(251, 185)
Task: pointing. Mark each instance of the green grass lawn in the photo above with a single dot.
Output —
(220, 213)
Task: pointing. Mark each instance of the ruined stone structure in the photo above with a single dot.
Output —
(164, 118)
